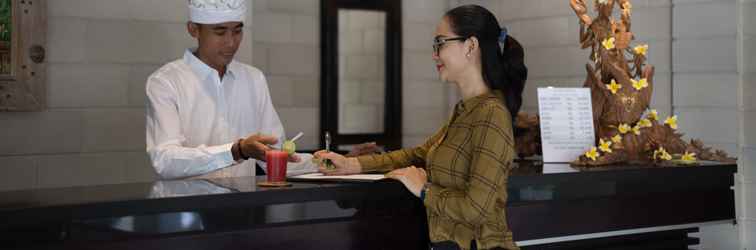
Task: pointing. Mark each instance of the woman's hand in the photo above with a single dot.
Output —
(412, 177)
(342, 165)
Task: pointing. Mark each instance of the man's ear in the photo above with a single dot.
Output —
(193, 29)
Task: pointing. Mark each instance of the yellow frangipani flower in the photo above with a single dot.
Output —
(653, 115)
(656, 153)
(643, 83)
(636, 129)
(665, 156)
(613, 86)
(608, 43)
(688, 157)
(617, 139)
(644, 123)
(624, 128)
(605, 146)
(638, 85)
(592, 154)
(671, 121)
(641, 49)
(661, 153)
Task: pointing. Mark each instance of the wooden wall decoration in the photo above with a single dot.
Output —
(621, 83)
(23, 41)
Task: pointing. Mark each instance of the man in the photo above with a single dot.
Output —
(207, 113)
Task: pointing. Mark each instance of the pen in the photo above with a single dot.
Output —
(328, 163)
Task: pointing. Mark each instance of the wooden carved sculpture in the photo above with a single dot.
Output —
(621, 92)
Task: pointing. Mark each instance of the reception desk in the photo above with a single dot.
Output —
(549, 207)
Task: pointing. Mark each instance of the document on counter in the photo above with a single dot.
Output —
(566, 116)
(346, 178)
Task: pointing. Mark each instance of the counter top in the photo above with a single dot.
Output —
(545, 200)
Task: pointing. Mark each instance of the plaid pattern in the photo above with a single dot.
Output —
(468, 162)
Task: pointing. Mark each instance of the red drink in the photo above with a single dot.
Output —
(276, 164)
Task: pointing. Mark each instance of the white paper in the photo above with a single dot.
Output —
(355, 177)
(566, 117)
(304, 166)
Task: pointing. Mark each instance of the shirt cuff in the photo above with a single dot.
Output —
(222, 154)
(430, 195)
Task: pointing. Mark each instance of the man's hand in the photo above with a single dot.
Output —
(363, 149)
(256, 145)
(294, 158)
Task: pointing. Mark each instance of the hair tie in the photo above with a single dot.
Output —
(503, 35)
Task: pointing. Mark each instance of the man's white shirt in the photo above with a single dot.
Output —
(194, 116)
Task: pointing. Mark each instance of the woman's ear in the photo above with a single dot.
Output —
(471, 45)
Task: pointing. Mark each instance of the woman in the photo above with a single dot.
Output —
(465, 165)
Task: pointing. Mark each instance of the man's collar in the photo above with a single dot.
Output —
(201, 68)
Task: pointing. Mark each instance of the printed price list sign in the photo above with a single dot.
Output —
(566, 123)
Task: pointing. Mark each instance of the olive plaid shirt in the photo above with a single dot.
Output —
(468, 162)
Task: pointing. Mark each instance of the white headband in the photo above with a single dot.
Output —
(217, 11)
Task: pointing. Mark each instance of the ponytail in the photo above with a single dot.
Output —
(512, 60)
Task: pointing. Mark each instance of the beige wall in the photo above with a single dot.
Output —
(706, 86)
(286, 47)
(100, 54)
(746, 177)
(424, 100)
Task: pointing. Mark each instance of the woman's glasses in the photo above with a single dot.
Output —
(439, 41)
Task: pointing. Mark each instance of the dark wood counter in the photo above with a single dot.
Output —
(545, 201)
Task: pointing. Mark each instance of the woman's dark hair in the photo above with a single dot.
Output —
(502, 69)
